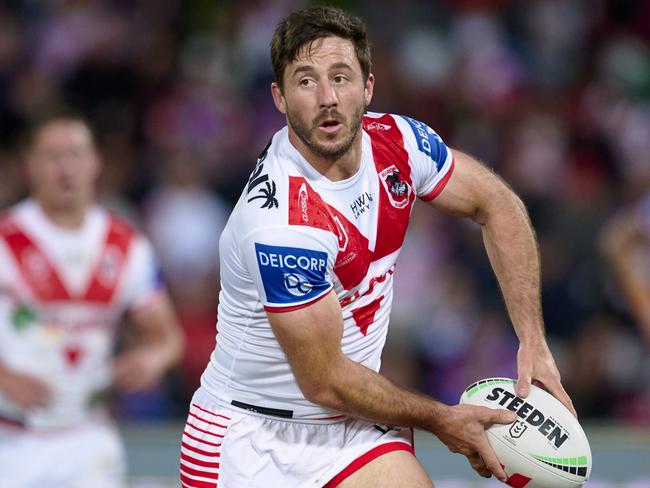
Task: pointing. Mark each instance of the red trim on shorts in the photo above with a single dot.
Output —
(192, 483)
(198, 462)
(200, 451)
(205, 464)
(203, 430)
(207, 421)
(213, 444)
(365, 458)
(441, 184)
(272, 309)
(211, 413)
(198, 472)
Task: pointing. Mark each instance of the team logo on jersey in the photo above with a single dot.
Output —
(399, 191)
(291, 274)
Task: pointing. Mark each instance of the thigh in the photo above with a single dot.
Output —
(396, 469)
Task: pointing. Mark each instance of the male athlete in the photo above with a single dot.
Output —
(69, 271)
(292, 397)
(626, 242)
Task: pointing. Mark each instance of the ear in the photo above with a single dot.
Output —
(278, 98)
(368, 90)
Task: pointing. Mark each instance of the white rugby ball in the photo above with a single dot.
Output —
(545, 447)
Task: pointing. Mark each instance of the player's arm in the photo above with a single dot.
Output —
(311, 340)
(157, 346)
(627, 248)
(24, 390)
(475, 192)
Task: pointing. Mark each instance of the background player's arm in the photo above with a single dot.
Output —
(24, 390)
(157, 346)
(311, 339)
(628, 249)
(476, 192)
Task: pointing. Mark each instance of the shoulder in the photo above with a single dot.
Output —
(11, 218)
(411, 131)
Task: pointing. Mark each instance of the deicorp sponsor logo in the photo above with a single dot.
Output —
(291, 274)
(555, 434)
(428, 141)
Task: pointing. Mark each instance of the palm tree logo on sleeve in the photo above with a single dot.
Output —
(399, 191)
(267, 193)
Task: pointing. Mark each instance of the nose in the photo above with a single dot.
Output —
(327, 96)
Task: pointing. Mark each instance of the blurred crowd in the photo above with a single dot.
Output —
(553, 94)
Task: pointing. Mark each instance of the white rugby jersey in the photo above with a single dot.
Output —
(62, 295)
(294, 235)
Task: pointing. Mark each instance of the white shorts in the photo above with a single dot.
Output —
(89, 455)
(228, 447)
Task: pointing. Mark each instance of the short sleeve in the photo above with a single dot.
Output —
(432, 162)
(143, 276)
(291, 267)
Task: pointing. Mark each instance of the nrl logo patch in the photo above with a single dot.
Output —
(517, 429)
(399, 191)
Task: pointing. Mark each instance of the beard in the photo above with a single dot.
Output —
(330, 152)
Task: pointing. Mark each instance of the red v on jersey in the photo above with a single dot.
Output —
(44, 280)
(396, 195)
(307, 208)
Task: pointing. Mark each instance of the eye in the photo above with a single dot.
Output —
(340, 79)
(306, 82)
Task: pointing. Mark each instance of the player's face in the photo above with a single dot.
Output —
(324, 97)
(63, 165)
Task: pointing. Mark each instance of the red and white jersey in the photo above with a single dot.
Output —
(62, 294)
(294, 235)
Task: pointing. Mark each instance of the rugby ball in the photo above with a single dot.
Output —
(545, 447)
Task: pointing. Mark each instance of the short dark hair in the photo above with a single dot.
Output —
(303, 27)
(52, 114)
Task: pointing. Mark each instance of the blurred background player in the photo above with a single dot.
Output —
(626, 243)
(69, 272)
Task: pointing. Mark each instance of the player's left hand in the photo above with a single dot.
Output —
(137, 369)
(535, 363)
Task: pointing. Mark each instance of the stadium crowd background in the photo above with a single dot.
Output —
(553, 94)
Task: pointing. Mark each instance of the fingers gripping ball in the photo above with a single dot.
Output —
(545, 448)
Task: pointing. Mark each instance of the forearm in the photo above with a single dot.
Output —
(360, 392)
(158, 334)
(512, 249)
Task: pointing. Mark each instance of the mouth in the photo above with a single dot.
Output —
(330, 125)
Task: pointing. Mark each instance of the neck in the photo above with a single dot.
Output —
(334, 169)
(68, 217)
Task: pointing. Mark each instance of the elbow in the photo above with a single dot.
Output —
(320, 394)
(321, 391)
(502, 202)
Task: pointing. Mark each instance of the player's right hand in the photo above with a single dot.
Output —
(463, 431)
(24, 390)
